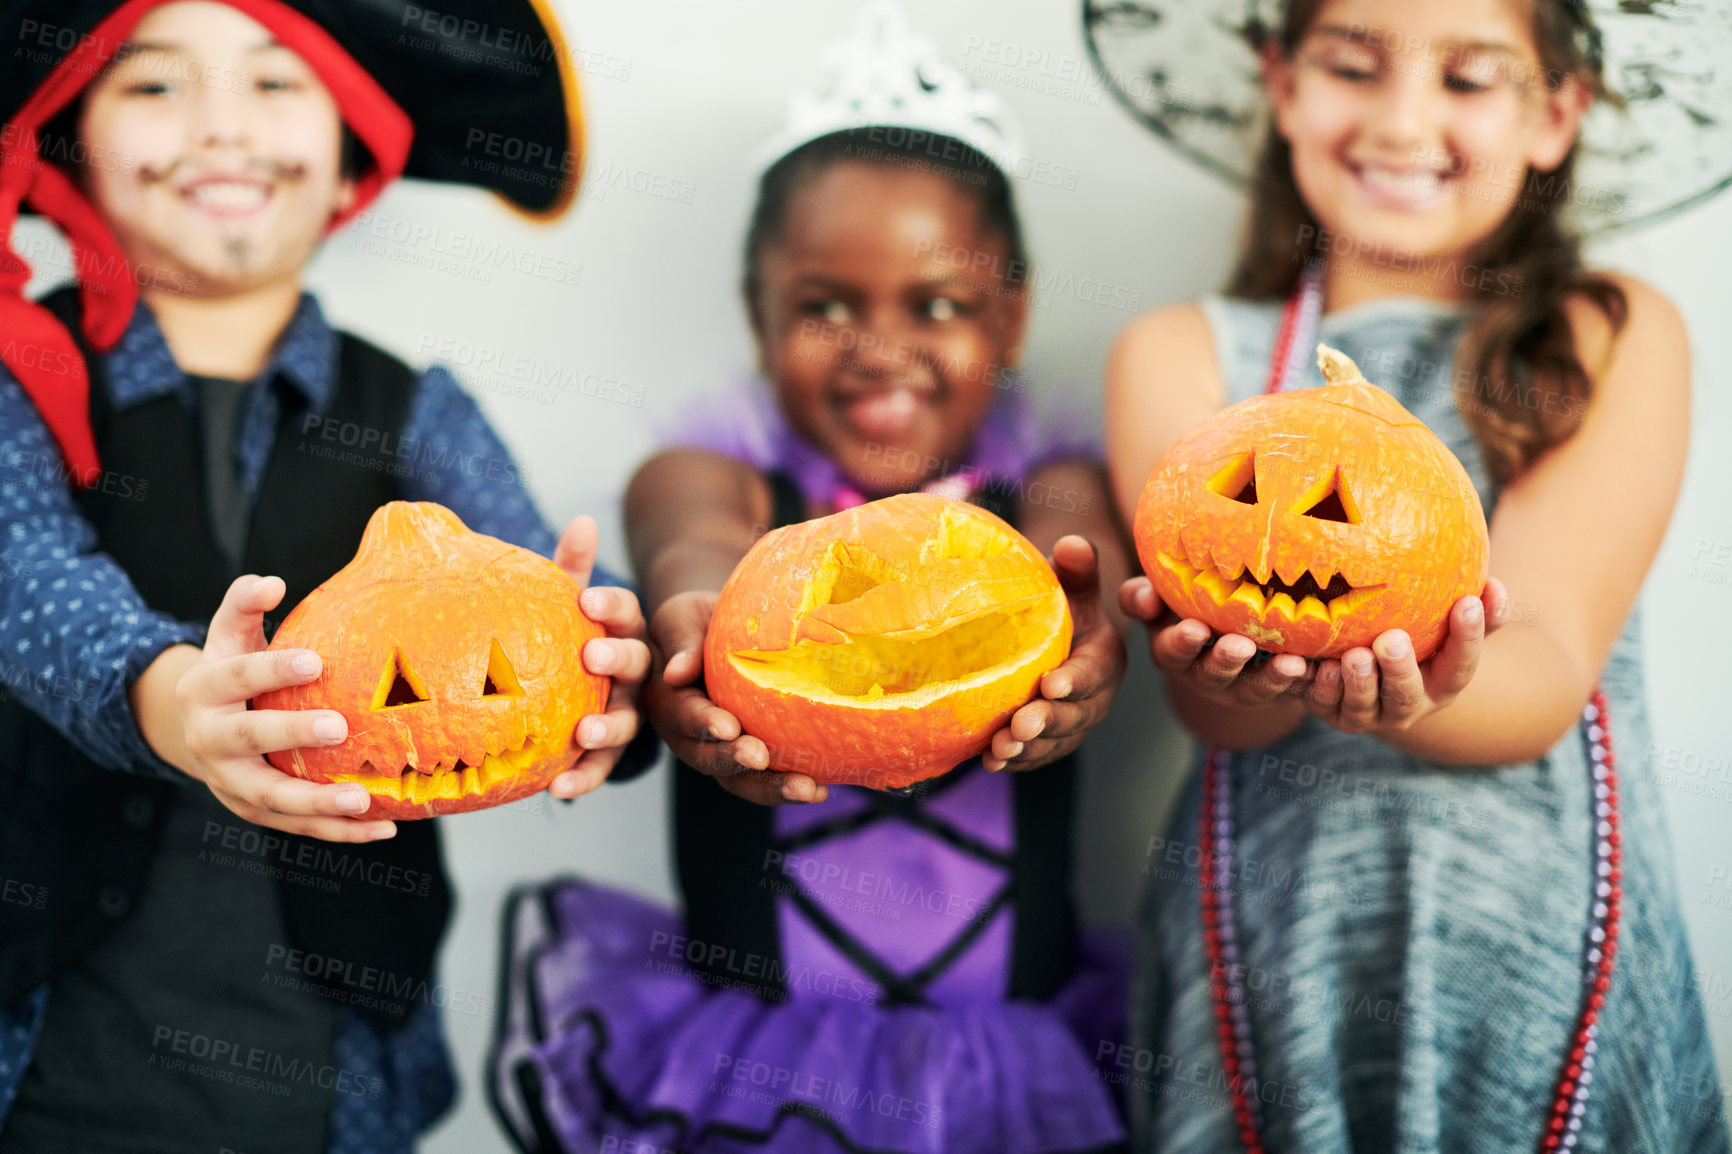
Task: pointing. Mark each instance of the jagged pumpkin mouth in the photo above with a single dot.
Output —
(1299, 600)
(445, 783)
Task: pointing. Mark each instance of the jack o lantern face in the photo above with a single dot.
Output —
(885, 644)
(1312, 521)
(456, 660)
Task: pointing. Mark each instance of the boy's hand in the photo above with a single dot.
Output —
(205, 729)
(1075, 696)
(622, 655)
(701, 733)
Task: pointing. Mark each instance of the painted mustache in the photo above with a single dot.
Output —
(185, 170)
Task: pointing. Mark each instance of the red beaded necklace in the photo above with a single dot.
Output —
(1216, 831)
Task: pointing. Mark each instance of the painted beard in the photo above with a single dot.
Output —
(240, 251)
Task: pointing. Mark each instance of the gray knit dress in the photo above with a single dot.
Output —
(1412, 934)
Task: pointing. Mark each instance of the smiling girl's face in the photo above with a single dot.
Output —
(884, 320)
(216, 150)
(1413, 124)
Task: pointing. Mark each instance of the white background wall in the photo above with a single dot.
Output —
(678, 93)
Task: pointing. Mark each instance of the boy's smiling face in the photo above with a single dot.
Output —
(222, 150)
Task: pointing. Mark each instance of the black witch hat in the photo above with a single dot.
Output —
(1188, 71)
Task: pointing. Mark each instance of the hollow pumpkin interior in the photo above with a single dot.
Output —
(879, 636)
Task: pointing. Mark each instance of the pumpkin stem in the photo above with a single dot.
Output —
(1338, 368)
(407, 529)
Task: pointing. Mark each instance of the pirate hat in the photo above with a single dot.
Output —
(478, 92)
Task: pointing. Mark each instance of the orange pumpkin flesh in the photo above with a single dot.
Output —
(1312, 521)
(885, 644)
(456, 660)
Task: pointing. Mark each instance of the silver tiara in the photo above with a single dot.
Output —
(884, 75)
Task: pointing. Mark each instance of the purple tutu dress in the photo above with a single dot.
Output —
(882, 972)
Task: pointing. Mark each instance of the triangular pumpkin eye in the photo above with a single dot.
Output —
(1332, 503)
(500, 680)
(1238, 480)
(398, 684)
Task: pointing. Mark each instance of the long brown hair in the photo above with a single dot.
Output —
(1519, 384)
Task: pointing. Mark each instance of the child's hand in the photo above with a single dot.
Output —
(622, 655)
(1220, 672)
(701, 733)
(1075, 696)
(209, 733)
(1383, 689)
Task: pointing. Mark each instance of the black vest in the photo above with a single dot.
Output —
(84, 836)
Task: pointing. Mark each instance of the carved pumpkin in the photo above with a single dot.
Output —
(1311, 521)
(456, 660)
(885, 644)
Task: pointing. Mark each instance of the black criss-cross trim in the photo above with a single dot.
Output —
(900, 989)
(885, 807)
